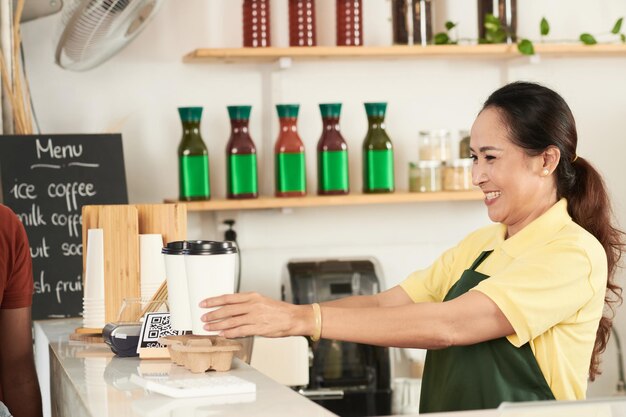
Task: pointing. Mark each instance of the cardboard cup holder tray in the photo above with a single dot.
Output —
(201, 353)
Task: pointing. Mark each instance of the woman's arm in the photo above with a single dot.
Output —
(470, 318)
(395, 296)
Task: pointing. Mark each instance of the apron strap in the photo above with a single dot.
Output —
(480, 259)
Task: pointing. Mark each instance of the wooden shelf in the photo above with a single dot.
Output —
(494, 51)
(321, 201)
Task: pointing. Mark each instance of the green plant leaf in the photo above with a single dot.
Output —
(622, 37)
(450, 25)
(544, 27)
(588, 39)
(496, 36)
(618, 26)
(489, 18)
(526, 47)
(491, 27)
(441, 38)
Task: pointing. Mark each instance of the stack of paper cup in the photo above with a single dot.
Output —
(93, 299)
(151, 264)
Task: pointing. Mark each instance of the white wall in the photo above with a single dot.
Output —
(137, 93)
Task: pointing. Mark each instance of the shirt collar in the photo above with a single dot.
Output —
(538, 231)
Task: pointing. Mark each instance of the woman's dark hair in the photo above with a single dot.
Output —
(537, 118)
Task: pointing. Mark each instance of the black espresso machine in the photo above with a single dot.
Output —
(349, 379)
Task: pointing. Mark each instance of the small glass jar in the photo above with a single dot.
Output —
(425, 176)
(464, 144)
(435, 145)
(457, 175)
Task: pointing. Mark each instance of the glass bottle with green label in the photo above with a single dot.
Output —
(332, 154)
(193, 158)
(241, 160)
(378, 171)
(289, 164)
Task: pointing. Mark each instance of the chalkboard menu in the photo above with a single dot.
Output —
(45, 180)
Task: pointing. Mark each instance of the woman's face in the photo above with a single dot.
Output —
(517, 188)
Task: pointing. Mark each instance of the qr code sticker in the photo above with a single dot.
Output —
(156, 325)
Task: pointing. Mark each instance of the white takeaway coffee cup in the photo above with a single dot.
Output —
(211, 269)
(177, 292)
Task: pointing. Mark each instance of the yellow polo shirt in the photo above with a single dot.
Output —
(549, 280)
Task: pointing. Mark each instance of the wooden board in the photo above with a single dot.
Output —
(170, 220)
(87, 337)
(87, 330)
(121, 252)
(354, 199)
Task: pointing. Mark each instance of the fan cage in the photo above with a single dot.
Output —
(94, 30)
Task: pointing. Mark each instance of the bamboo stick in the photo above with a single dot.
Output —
(159, 297)
(17, 90)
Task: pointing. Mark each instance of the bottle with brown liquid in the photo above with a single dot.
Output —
(289, 163)
(332, 154)
(241, 159)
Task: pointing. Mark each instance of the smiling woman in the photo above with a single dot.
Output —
(514, 312)
(539, 121)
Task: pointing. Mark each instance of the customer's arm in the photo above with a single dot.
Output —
(18, 378)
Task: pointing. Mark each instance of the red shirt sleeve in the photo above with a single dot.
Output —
(16, 269)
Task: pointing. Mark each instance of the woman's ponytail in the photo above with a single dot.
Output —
(589, 205)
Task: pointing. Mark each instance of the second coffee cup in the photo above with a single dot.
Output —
(211, 269)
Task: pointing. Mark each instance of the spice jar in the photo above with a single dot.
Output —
(349, 22)
(464, 144)
(435, 145)
(425, 176)
(302, 23)
(256, 23)
(457, 175)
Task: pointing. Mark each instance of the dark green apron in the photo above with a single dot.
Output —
(482, 375)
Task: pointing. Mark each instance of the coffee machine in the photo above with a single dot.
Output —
(349, 379)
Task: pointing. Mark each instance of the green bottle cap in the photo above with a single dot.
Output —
(330, 109)
(287, 110)
(190, 114)
(375, 109)
(239, 112)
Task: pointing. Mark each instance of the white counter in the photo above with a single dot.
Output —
(87, 380)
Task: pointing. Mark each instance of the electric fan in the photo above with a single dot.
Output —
(92, 31)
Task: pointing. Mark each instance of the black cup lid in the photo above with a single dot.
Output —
(209, 247)
(178, 247)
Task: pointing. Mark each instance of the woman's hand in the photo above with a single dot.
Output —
(251, 314)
